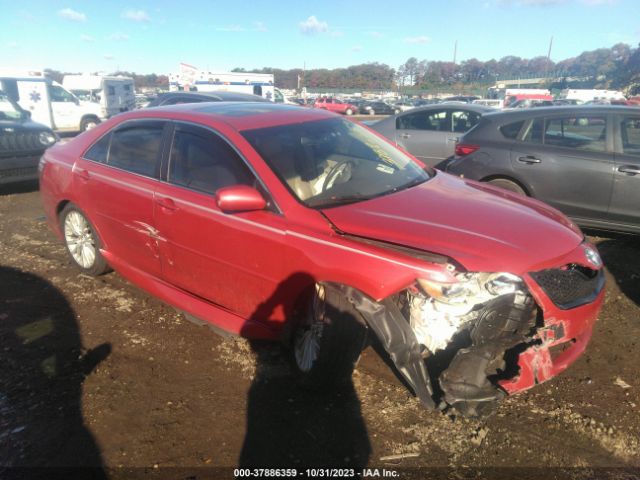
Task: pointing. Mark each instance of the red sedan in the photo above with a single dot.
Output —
(282, 223)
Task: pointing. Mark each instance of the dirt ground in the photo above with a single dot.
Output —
(94, 372)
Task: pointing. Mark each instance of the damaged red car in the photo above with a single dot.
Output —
(283, 223)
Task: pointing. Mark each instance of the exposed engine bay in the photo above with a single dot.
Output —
(453, 343)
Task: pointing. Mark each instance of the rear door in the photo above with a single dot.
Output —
(64, 108)
(115, 181)
(424, 134)
(625, 202)
(231, 259)
(567, 162)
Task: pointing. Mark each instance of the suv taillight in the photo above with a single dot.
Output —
(464, 149)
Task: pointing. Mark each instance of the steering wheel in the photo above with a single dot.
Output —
(340, 172)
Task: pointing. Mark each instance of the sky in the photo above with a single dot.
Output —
(155, 36)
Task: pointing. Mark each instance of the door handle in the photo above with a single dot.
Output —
(405, 135)
(82, 174)
(167, 204)
(452, 140)
(629, 170)
(529, 159)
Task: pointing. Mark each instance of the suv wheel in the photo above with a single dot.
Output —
(81, 241)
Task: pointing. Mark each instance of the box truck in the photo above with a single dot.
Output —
(114, 94)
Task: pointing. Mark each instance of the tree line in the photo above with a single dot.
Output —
(616, 68)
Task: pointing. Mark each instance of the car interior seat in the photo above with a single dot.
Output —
(284, 163)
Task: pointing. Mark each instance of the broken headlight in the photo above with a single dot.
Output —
(440, 310)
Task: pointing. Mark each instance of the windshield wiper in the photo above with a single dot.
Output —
(335, 202)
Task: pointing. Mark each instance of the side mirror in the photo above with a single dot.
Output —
(26, 114)
(239, 198)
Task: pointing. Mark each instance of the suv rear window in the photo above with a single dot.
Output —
(511, 130)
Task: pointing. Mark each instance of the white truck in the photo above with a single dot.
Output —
(189, 78)
(114, 94)
(50, 103)
(586, 95)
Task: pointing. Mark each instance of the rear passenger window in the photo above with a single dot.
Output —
(511, 130)
(630, 131)
(434, 121)
(99, 150)
(136, 148)
(534, 132)
(581, 133)
(203, 161)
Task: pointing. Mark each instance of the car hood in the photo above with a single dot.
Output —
(479, 226)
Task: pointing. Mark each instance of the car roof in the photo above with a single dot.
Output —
(238, 115)
(214, 96)
(525, 113)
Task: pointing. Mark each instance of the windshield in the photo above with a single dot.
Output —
(8, 110)
(332, 162)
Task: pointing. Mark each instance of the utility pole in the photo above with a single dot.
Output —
(455, 51)
(546, 71)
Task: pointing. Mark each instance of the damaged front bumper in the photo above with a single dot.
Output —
(506, 342)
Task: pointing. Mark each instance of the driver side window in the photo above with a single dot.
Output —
(201, 160)
(59, 94)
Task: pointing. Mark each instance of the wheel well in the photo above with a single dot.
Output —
(60, 207)
(510, 179)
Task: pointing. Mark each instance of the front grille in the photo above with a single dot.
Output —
(11, 142)
(571, 286)
(19, 172)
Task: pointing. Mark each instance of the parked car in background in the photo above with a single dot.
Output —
(584, 161)
(378, 108)
(293, 224)
(430, 133)
(531, 103)
(175, 98)
(421, 102)
(335, 105)
(489, 102)
(461, 98)
(22, 142)
(404, 105)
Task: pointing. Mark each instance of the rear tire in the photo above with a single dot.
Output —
(349, 111)
(508, 185)
(327, 343)
(82, 242)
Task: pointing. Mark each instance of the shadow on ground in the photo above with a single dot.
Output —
(43, 366)
(621, 256)
(289, 426)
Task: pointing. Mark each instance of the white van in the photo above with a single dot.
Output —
(114, 94)
(50, 103)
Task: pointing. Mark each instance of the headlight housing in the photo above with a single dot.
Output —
(470, 286)
(47, 138)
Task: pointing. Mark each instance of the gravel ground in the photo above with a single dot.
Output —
(97, 373)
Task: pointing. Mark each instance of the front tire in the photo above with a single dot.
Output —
(349, 111)
(328, 342)
(82, 242)
(508, 185)
(88, 123)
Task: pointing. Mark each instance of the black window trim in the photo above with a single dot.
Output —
(123, 126)
(166, 155)
(617, 120)
(609, 142)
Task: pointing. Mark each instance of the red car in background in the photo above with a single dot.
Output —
(335, 105)
(276, 222)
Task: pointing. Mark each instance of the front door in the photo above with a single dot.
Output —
(424, 134)
(231, 259)
(64, 108)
